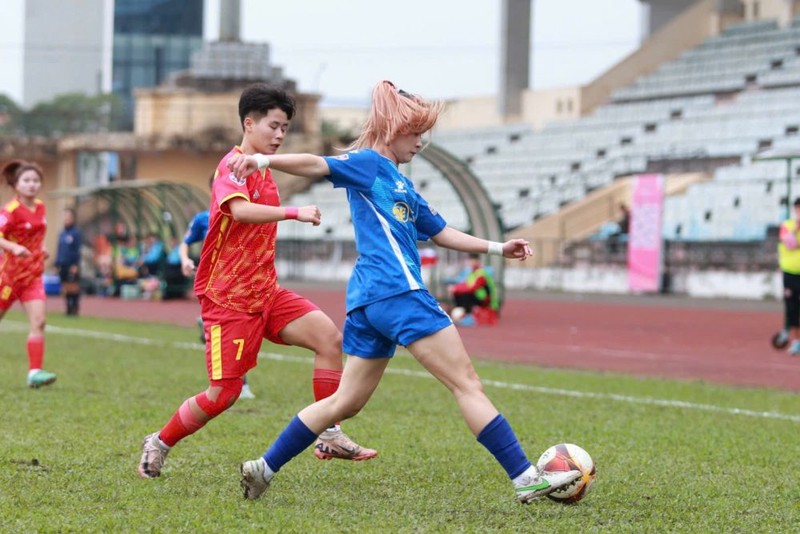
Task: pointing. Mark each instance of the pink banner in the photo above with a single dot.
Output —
(645, 236)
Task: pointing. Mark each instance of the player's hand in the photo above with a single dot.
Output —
(242, 165)
(188, 267)
(45, 253)
(19, 251)
(517, 249)
(309, 214)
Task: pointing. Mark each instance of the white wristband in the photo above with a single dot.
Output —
(495, 248)
(262, 160)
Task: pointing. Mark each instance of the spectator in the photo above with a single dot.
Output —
(126, 260)
(153, 255)
(68, 261)
(103, 263)
(174, 279)
(620, 234)
(624, 219)
(475, 287)
(789, 262)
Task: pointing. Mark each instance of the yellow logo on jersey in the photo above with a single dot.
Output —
(401, 211)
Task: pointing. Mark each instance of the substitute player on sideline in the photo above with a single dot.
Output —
(23, 225)
(240, 300)
(387, 301)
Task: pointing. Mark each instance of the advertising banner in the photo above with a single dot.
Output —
(645, 241)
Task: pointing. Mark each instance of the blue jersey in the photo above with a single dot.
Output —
(389, 217)
(198, 228)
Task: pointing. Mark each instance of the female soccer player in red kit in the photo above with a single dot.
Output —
(22, 229)
(241, 301)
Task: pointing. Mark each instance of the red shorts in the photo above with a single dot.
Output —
(11, 292)
(286, 306)
(231, 347)
(233, 338)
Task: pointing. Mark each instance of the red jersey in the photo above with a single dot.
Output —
(27, 227)
(237, 262)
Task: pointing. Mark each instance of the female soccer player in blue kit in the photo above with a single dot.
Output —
(387, 301)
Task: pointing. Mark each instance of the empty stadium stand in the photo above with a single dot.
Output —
(711, 110)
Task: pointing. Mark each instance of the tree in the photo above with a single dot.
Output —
(73, 113)
(64, 114)
(10, 115)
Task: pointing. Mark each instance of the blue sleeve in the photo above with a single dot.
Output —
(196, 231)
(429, 221)
(354, 170)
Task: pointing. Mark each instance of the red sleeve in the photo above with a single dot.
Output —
(227, 186)
(5, 223)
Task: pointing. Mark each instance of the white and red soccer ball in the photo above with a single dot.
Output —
(569, 457)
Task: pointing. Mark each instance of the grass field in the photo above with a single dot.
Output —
(671, 456)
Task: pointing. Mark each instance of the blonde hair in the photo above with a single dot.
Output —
(395, 112)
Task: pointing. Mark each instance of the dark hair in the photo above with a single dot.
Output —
(796, 202)
(259, 98)
(474, 256)
(14, 169)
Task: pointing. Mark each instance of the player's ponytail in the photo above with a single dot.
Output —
(395, 112)
(14, 169)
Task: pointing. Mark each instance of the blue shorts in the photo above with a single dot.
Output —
(375, 330)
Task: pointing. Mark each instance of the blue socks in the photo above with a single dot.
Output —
(294, 439)
(499, 439)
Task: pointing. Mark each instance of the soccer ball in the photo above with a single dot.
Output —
(567, 457)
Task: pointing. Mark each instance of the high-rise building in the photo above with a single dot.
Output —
(92, 47)
(55, 47)
(152, 39)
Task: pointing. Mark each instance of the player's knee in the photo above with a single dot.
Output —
(37, 326)
(329, 346)
(220, 396)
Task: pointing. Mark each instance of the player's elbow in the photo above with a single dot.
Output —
(240, 212)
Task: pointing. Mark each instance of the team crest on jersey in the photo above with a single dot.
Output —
(401, 211)
(238, 181)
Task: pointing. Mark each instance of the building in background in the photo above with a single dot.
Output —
(152, 40)
(54, 47)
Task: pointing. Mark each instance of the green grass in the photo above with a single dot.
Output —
(69, 452)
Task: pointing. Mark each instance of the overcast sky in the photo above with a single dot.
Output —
(438, 48)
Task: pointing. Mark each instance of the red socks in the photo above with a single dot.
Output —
(183, 423)
(35, 352)
(326, 382)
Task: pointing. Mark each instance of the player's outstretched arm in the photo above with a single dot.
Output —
(249, 212)
(457, 240)
(307, 165)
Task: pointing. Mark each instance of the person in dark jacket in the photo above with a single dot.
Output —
(68, 261)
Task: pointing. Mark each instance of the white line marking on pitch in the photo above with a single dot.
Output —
(19, 326)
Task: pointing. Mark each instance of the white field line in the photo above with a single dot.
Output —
(666, 403)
